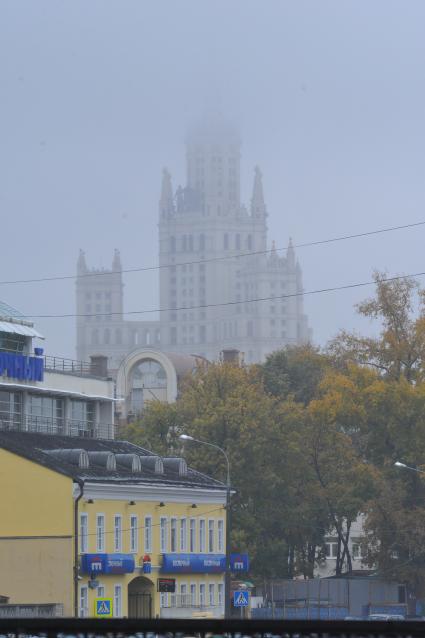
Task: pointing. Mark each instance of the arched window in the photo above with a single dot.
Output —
(148, 381)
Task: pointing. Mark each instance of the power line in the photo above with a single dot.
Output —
(231, 303)
(212, 259)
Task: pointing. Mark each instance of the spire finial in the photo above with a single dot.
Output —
(258, 207)
(290, 254)
(81, 263)
(116, 262)
(166, 204)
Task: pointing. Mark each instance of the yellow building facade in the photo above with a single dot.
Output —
(150, 532)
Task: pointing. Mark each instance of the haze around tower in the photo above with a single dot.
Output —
(327, 98)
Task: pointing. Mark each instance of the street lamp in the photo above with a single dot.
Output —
(186, 437)
(409, 467)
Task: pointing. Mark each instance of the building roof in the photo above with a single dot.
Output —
(9, 312)
(14, 322)
(35, 447)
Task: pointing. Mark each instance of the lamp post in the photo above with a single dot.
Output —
(186, 437)
(408, 467)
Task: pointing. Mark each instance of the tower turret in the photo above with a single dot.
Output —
(258, 207)
(81, 263)
(116, 262)
(166, 203)
(290, 255)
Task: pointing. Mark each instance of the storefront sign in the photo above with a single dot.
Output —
(193, 563)
(22, 367)
(166, 585)
(107, 563)
(239, 562)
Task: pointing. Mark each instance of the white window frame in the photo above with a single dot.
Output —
(184, 599)
(202, 595)
(148, 534)
(183, 534)
(331, 549)
(83, 610)
(173, 535)
(220, 594)
(84, 533)
(101, 591)
(220, 536)
(163, 535)
(100, 533)
(117, 610)
(356, 555)
(192, 535)
(134, 534)
(193, 593)
(117, 533)
(211, 535)
(202, 535)
(211, 598)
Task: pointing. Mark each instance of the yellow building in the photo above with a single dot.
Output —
(83, 519)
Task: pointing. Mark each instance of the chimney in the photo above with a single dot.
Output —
(231, 355)
(99, 365)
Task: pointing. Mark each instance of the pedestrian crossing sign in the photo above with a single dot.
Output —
(103, 607)
(241, 598)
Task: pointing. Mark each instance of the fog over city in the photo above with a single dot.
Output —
(97, 97)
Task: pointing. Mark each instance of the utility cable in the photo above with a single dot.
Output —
(211, 259)
(301, 293)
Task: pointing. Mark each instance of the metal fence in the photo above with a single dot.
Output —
(59, 425)
(70, 366)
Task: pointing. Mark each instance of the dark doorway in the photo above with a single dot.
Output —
(140, 598)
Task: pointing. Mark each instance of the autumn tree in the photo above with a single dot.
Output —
(399, 350)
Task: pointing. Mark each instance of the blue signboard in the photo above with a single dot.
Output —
(241, 598)
(193, 563)
(107, 563)
(22, 367)
(239, 562)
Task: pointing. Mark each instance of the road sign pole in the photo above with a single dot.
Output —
(227, 601)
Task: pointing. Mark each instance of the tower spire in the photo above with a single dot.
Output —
(81, 263)
(166, 204)
(258, 207)
(116, 262)
(290, 255)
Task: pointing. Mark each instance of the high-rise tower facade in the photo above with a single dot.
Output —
(220, 286)
(214, 260)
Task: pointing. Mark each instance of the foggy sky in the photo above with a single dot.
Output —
(96, 97)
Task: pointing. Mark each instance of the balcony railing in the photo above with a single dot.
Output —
(51, 425)
(68, 366)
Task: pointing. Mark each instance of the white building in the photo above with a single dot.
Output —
(46, 394)
(327, 566)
